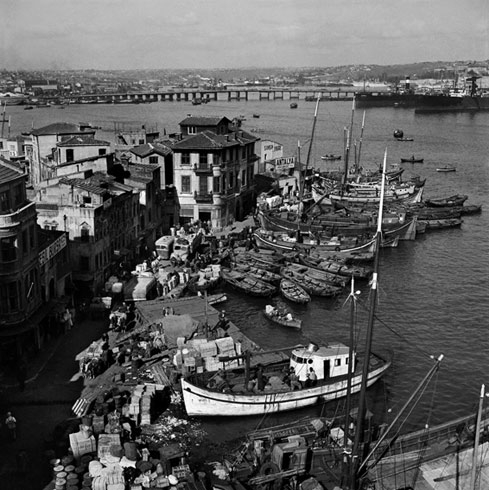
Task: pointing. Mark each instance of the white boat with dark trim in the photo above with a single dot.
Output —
(288, 384)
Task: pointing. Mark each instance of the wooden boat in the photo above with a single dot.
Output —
(293, 292)
(300, 270)
(446, 168)
(456, 200)
(412, 160)
(256, 116)
(282, 317)
(329, 265)
(405, 139)
(437, 224)
(471, 209)
(293, 105)
(204, 396)
(248, 284)
(262, 274)
(331, 157)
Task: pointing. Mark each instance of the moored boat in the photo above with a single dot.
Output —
(446, 168)
(203, 395)
(293, 292)
(248, 284)
(455, 200)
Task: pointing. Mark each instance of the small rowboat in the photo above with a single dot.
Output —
(283, 318)
(331, 157)
(293, 292)
(447, 168)
(412, 160)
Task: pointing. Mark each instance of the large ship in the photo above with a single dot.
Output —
(10, 98)
(470, 98)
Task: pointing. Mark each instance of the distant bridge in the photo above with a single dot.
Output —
(202, 96)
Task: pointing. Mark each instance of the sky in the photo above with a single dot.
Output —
(165, 34)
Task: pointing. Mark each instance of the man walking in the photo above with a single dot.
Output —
(11, 424)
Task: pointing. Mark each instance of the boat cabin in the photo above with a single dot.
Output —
(327, 361)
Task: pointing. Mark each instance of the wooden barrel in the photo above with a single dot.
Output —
(58, 469)
(85, 459)
(54, 462)
(66, 460)
(69, 468)
(72, 477)
(61, 475)
(60, 484)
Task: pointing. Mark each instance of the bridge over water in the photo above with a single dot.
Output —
(201, 95)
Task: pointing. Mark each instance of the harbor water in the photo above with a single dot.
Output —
(433, 291)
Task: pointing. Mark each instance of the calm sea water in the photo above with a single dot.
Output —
(433, 291)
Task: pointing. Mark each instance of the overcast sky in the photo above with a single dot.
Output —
(120, 34)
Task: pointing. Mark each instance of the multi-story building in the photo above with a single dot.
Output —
(101, 217)
(156, 154)
(214, 169)
(45, 153)
(20, 293)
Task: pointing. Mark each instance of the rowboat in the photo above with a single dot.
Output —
(300, 271)
(456, 200)
(412, 160)
(446, 168)
(331, 157)
(293, 292)
(248, 284)
(330, 265)
(261, 274)
(281, 317)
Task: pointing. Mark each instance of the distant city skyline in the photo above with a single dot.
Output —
(196, 34)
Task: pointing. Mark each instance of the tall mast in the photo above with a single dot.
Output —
(348, 142)
(301, 188)
(360, 144)
(359, 436)
(473, 476)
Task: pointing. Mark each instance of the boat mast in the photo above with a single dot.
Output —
(3, 116)
(360, 145)
(359, 436)
(346, 449)
(473, 476)
(348, 142)
(301, 187)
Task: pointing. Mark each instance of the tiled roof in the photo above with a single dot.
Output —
(148, 149)
(208, 140)
(83, 140)
(58, 128)
(85, 184)
(204, 120)
(8, 172)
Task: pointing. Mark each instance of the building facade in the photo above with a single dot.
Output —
(20, 292)
(214, 169)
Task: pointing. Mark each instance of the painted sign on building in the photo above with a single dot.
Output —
(52, 249)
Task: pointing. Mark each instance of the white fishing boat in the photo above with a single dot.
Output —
(229, 393)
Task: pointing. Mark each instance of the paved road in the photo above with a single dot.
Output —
(46, 402)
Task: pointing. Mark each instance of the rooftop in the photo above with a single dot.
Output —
(83, 140)
(59, 128)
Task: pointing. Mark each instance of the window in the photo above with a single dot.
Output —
(153, 160)
(18, 195)
(87, 200)
(231, 179)
(102, 151)
(185, 158)
(70, 155)
(84, 263)
(337, 362)
(5, 201)
(192, 130)
(13, 296)
(186, 183)
(203, 160)
(216, 187)
(243, 177)
(24, 242)
(142, 142)
(85, 234)
(203, 188)
(8, 249)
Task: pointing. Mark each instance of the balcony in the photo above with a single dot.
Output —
(20, 215)
(202, 168)
(203, 198)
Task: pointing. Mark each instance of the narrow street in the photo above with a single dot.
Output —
(45, 402)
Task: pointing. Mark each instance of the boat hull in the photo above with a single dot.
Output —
(202, 402)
